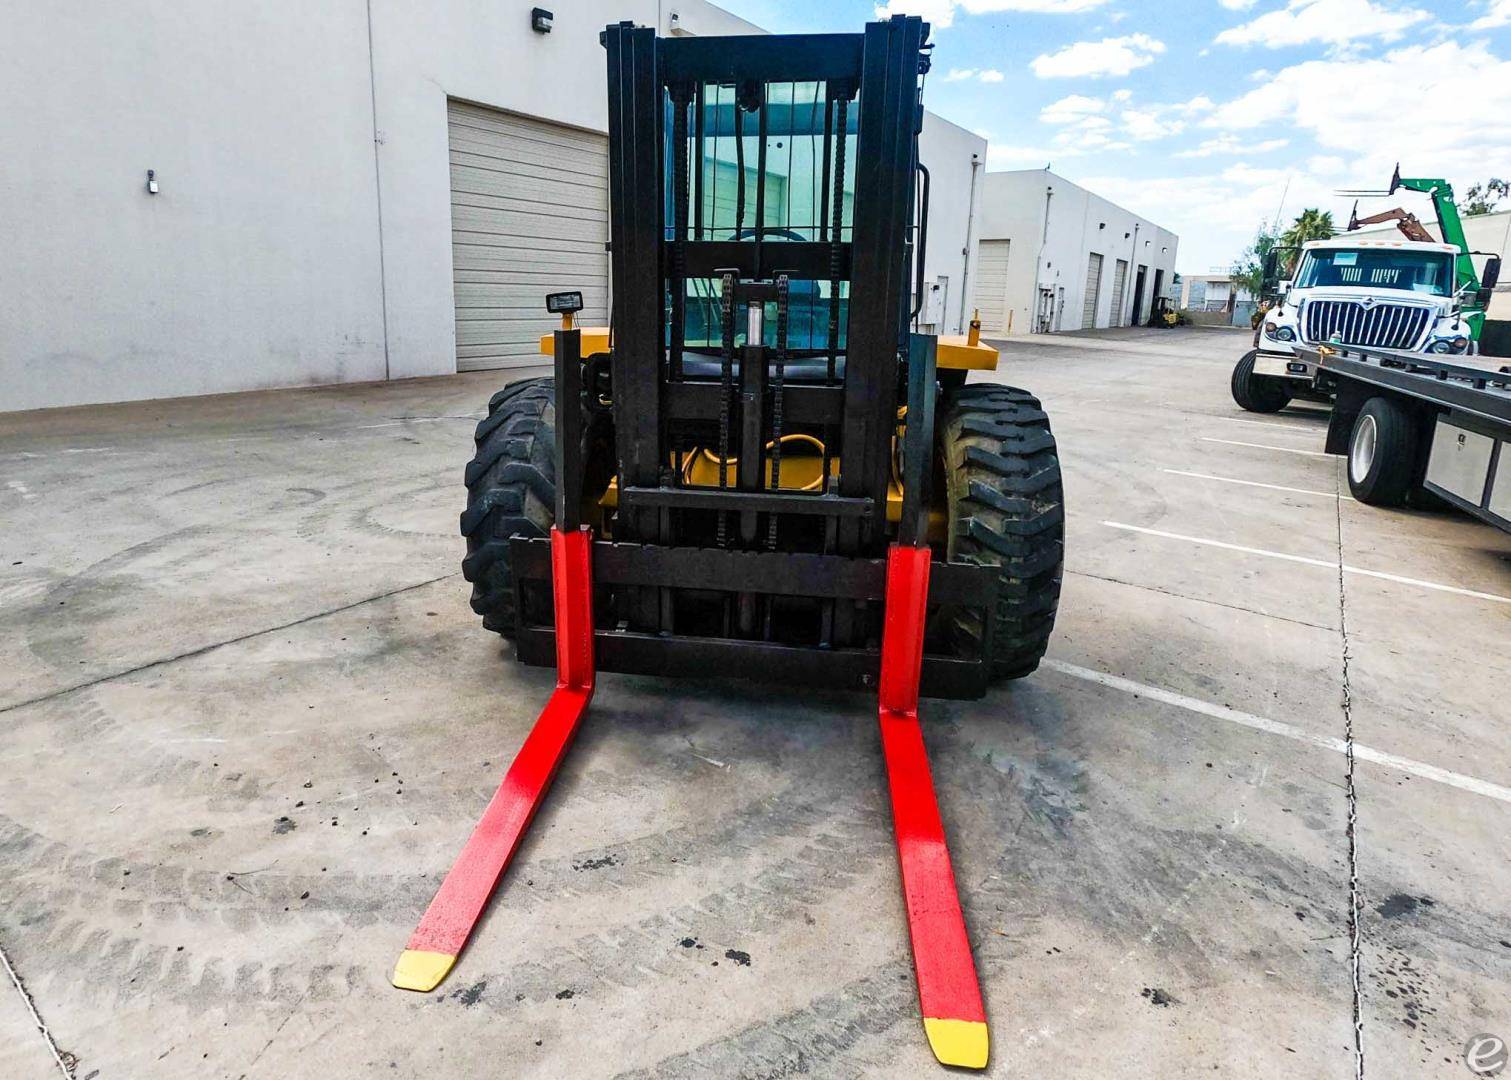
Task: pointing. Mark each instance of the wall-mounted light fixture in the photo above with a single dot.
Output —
(540, 20)
(151, 181)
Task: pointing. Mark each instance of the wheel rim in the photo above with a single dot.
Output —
(1361, 455)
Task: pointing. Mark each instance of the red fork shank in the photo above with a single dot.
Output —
(448, 921)
(949, 995)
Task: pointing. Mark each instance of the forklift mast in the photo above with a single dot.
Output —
(696, 127)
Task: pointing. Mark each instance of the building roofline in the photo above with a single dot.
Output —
(1055, 177)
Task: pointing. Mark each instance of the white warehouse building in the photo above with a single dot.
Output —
(1053, 256)
(203, 198)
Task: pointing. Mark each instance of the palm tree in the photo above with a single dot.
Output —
(1311, 224)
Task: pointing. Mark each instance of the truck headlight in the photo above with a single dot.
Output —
(1275, 332)
(1449, 345)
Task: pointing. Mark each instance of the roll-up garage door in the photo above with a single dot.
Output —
(991, 285)
(1119, 284)
(1093, 291)
(529, 216)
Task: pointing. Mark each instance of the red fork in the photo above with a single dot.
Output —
(949, 995)
(448, 921)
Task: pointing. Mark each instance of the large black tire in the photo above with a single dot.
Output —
(1257, 393)
(1006, 509)
(1382, 453)
(511, 491)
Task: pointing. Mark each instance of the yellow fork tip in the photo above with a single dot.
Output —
(420, 970)
(963, 1043)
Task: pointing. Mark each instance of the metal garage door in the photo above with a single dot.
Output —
(529, 215)
(1093, 291)
(991, 285)
(1119, 284)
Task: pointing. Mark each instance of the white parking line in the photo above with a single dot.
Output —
(1302, 429)
(1288, 731)
(1263, 446)
(1256, 483)
(1324, 563)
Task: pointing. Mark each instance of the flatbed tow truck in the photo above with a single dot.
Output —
(1407, 422)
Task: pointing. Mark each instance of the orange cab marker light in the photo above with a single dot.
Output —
(949, 994)
(447, 923)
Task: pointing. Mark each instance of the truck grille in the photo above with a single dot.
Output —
(1384, 326)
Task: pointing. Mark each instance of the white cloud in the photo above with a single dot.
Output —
(1360, 109)
(941, 13)
(1228, 143)
(1070, 109)
(1041, 7)
(1147, 124)
(1331, 22)
(1142, 123)
(990, 75)
(1497, 13)
(1093, 59)
(1355, 112)
(1260, 74)
(1236, 5)
(1199, 104)
(937, 13)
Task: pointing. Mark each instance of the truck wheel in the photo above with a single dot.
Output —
(1382, 453)
(511, 491)
(1258, 393)
(1006, 509)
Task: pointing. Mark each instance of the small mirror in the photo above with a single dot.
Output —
(1491, 274)
(1279, 263)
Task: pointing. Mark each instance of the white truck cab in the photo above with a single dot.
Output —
(1392, 294)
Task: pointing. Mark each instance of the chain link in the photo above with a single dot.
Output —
(776, 400)
(726, 314)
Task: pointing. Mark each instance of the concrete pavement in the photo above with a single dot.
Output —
(249, 719)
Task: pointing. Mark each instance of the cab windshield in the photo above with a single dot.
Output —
(1429, 272)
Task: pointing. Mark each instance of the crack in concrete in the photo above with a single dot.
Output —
(31, 1008)
(1351, 795)
(1200, 600)
(203, 649)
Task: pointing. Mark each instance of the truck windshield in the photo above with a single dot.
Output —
(1417, 271)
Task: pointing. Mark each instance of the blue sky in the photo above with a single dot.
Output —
(1203, 114)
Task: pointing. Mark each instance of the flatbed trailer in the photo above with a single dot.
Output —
(1407, 422)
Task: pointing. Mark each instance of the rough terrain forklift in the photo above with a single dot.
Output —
(756, 470)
